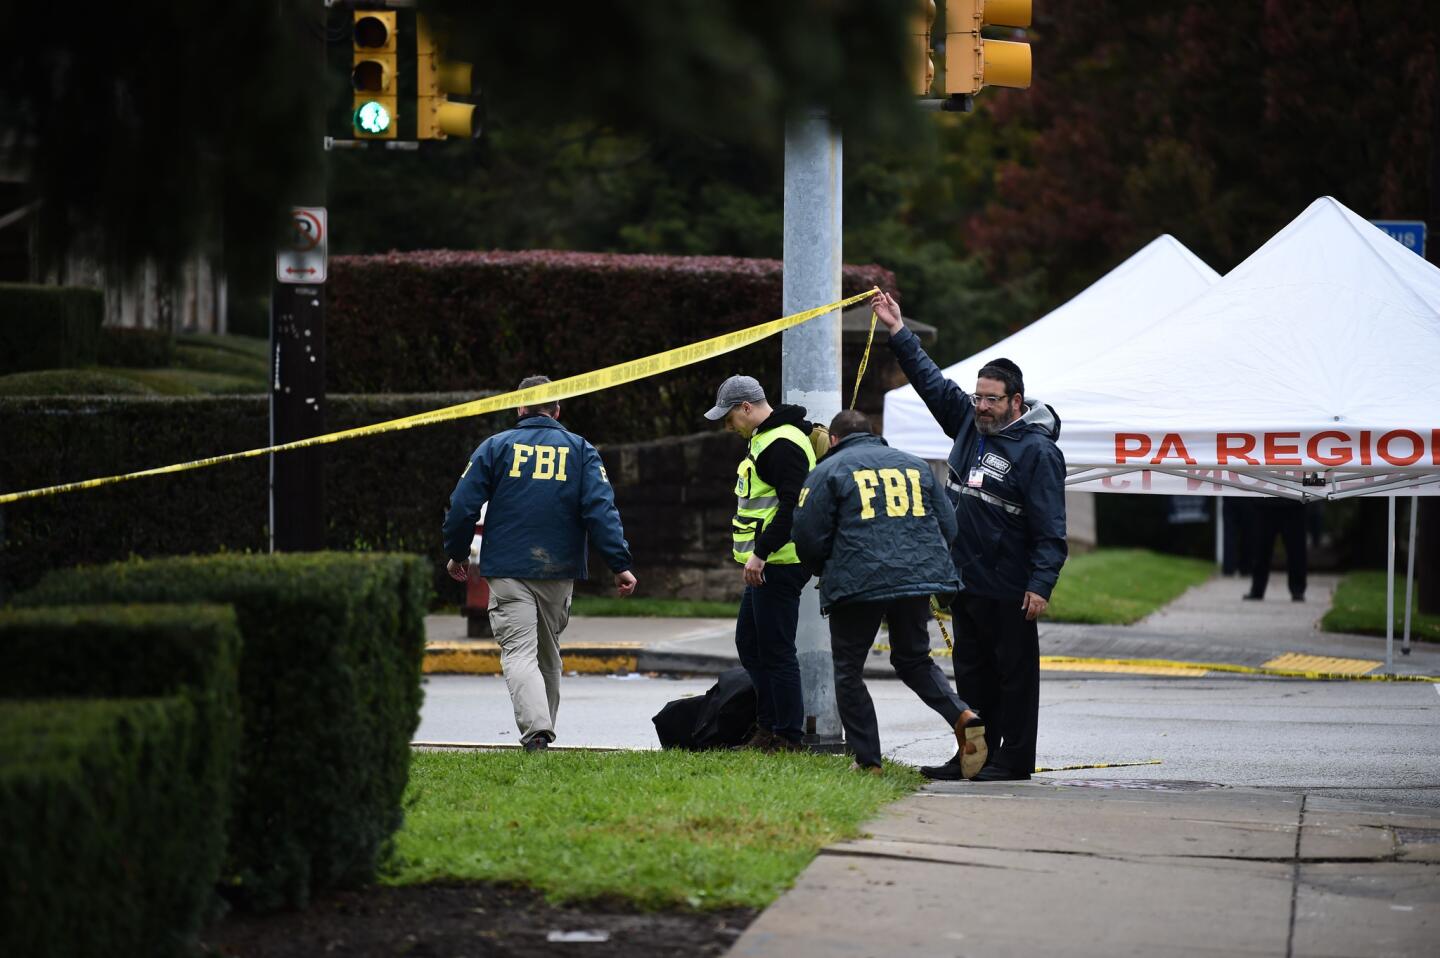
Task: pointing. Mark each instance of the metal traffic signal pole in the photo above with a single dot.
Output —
(810, 363)
(297, 346)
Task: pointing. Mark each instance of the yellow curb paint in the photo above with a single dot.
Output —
(1082, 666)
(1322, 663)
(483, 658)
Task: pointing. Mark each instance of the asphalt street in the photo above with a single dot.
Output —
(1375, 741)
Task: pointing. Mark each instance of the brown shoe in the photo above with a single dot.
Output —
(779, 743)
(970, 736)
(866, 769)
(758, 741)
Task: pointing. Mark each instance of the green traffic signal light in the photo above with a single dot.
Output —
(372, 117)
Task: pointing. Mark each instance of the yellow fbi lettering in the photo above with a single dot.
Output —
(902, 491)
(546, 462)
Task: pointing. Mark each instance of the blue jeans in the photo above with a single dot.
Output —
(765, 640)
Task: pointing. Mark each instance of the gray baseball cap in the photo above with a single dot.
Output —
(733, 392)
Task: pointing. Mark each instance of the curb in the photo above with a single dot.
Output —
(483, 658)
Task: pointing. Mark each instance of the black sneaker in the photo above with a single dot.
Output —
(999, 773)
(538, 743)
(951, 771)
(1252, 597)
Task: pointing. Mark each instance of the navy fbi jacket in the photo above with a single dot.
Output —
(1012, 528)
(874, 525)
(547, 490)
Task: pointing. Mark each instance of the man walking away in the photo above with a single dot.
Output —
(1007, 483)
(548, 495)
(767, 486)
(873, 523)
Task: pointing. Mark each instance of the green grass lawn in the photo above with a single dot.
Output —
(653, 608)
(1121, 586)
(1359, 607)
(659, 829)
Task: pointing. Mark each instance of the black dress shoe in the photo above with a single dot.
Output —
(1252, 597)
(1297, 598)
(999, 773)
(951, 771)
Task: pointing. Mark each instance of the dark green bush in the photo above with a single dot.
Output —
(140, 651)
(101, 822)
(48, 327)
(388, 492)
(330, 696)
(136, 348)
(451, 320)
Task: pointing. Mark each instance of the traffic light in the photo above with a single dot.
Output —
(971, 61)
(372, 75)
(436, 79)
(921, 66)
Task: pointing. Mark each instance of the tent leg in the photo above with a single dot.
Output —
(1410, 575)
(1220, 531)
(1390, 590)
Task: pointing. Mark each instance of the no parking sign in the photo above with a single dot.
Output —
(303, 259)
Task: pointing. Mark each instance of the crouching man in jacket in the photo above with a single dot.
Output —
(873, 525)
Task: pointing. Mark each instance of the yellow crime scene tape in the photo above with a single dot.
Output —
(580, 385)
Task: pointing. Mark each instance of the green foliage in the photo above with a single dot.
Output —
(330, 694)
(1121, 586)
(142, 651)
(72, 382)
(108, 832)
(659, 829)
(222, 507)
(455, 320)
(124, 141)
(190, 382)
(1359, 608)
(139, 348)
(210, 359)
(48, 327)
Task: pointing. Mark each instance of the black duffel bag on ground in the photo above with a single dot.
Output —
(722, 717)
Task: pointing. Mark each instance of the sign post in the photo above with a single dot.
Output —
(297, 383)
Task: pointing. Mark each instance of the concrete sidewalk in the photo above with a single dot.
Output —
(1209, 623)
(1116, 867)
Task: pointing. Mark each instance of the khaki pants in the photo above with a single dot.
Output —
(527, 616)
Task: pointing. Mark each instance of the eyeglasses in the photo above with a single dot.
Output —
(980, 399)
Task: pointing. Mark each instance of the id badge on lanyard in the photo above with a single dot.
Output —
(976, 479)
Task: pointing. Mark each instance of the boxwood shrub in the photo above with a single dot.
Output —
(122, 651)
(48, 327)
(105, 828)
(330, 697)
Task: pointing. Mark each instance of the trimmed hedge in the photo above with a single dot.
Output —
(48, 327)
(102, 818)
(136, 348)
(330, 696)
(142, 651)
(446, 320)
(388, 492)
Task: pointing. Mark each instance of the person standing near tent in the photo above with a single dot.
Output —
(874, 525)
(548, 495)
(1007, 482)
(1284, 518)
(767, 486)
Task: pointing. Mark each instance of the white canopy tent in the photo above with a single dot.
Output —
(1310, 371)
(1133, 296)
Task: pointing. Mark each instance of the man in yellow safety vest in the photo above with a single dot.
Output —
(767, 487)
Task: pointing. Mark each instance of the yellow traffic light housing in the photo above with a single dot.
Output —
(372, 75)
(971, 61)
(437, 79)
(919, 63)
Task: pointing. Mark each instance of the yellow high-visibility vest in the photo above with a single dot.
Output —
(757, 502)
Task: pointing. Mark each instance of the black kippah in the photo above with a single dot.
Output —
(1014, 378)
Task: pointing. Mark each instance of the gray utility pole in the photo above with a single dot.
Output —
(810, 363)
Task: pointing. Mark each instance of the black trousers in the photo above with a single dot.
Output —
(1286, 520)
(765, 642)
(997, 670)
(852, 632)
